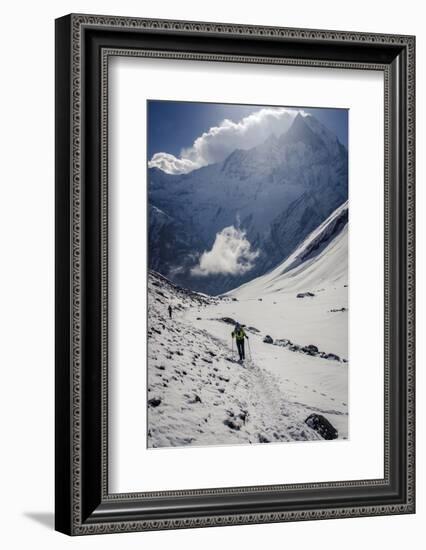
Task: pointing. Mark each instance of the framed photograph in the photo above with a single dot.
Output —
(234, 274)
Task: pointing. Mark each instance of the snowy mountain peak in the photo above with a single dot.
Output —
(300, 131)
(276, 193)
(271, 140)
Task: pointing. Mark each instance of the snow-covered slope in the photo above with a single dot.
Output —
(320, 261)
(305, 298)
(198, 394)
(276, 192)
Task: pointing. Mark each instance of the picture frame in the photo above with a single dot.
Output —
(83, 503)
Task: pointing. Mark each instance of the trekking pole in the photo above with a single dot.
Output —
(232, 347)
(249, 348)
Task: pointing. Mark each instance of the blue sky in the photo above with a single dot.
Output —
(174, 126)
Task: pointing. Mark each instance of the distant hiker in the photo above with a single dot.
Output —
(239, 335)
(170, 311)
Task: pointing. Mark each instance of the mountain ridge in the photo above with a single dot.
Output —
(276, 193)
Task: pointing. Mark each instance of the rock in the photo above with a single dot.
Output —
(322, 426)
(253, 329)
(198, 318)
(263, 439)
(243, 416)
(154, 402)
(260, 299)
(231, 424)
(310, 350)
(305, 294)
(228, 320)
(283, 342)
(234, 299)
(333, 357)
(268, 339)
(195, 399)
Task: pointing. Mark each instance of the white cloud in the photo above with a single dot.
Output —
(220, 141)
(231, 254)
(171, 164)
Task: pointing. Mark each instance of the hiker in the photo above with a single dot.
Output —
(239, 335)
(170, 311)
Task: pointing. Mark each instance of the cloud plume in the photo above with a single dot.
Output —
(220, 141)
(231, 254)
(171, 164)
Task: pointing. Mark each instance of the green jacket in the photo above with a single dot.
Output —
(239, 334)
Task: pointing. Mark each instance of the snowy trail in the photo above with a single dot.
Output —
(293, 384)
(197, 394)
(271, 417)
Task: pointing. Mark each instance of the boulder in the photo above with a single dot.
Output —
(283, 342)
(231, 424)
(228, 320)
(268, 339)
(305, 294)
(310, 350)
(333, 357)
(322, 426)
(195, 399)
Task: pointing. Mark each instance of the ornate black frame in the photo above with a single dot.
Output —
(83, 46)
